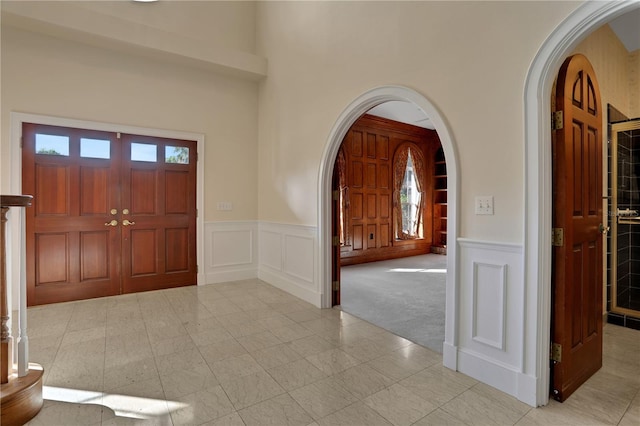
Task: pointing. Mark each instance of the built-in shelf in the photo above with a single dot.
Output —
(440, 203)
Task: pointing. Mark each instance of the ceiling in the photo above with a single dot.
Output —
(626, 27)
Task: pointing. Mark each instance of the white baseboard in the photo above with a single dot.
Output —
(226, 276)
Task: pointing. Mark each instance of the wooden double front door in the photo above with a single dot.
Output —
(112, 213)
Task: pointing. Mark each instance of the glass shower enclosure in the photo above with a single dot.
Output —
(625, 218)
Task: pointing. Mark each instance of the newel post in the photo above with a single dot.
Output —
(6, 361)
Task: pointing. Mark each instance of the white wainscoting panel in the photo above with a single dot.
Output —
(231, 251)
(489, 303)
(270, 249)
(288, 259)
(298, 257)
(491, 320)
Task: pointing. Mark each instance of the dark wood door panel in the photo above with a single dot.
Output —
(95, 255)
(177, 250)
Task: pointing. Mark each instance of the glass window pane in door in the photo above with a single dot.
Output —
(52, 144)
(95, 148)
(144, 152)
(176, 154)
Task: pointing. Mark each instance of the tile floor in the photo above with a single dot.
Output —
(245, 353)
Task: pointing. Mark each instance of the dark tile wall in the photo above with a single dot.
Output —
(628, 241)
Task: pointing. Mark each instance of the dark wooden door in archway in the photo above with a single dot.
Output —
(577, 216)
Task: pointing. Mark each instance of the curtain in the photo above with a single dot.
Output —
(399, 168)
(421, 178)
(341, 163)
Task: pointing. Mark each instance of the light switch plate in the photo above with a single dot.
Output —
(224, 205)
(484, 204)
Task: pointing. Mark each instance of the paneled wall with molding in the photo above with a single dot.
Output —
(491, 306)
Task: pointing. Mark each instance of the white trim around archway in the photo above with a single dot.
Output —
(538, 205)
(350, 114)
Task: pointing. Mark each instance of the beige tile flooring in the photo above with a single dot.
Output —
(245, 353)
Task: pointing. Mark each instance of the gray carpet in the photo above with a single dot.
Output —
(405, 296)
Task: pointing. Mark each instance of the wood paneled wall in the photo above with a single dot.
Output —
(369, 149)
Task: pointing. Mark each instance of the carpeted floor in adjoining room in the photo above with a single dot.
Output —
(405, 296)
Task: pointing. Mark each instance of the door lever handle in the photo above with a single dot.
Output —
(126, 222)
(112, 223)
(604, 229)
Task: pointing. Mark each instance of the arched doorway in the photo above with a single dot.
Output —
(350, 114)
(538, 197)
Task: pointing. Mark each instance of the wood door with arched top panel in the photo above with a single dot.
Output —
(577, 216)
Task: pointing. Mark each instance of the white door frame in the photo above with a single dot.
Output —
(351, 113)
(17, 118)
(538, 199)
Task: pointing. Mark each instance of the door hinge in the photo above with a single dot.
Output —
(556, 352)
(336, 240)
(197, 268)
(336, 195)
(557, 120)
(557, 237)
(118, 135)
(336, 286)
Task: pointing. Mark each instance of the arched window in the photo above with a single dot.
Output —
(409, 179)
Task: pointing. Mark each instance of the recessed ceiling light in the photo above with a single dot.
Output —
(145, 1)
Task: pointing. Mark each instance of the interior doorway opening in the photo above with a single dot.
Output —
(351, 113)
(561, 43)
(389, 223)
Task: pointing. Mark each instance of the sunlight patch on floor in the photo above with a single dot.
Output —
(432, 271)
(134, 407)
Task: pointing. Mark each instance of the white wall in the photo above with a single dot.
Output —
(469, 58)
(49, 76)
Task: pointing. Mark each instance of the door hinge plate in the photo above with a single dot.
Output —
(556, 352)
(336, 195)
(557, 237)
(557, 120)
(336, 241)
(336, 286)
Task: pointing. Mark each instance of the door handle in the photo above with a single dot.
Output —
(126, 222)
(604, 230)
(112, 223)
